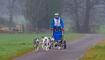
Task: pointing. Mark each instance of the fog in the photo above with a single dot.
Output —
(83, 16)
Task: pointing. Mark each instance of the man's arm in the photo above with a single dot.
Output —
(51, 23)
(62, 23)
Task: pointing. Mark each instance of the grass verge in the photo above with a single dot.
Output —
(95, 53)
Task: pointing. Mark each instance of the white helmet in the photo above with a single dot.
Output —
(56, 14)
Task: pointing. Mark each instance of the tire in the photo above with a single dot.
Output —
(50, 47)
(64, 45)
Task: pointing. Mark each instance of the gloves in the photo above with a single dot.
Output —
(50, 28)
(55, 29)
(62, 29)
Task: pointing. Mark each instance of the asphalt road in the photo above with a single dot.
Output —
(74, 50)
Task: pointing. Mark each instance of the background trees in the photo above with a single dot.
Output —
(39, 12)
(82, 16)
(86, 14)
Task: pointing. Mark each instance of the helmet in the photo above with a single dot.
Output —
(56, 14)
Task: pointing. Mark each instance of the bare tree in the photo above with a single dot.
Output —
(89, 7)
(39, 12)
(36, 12)
(11, 10)
(82, 13)
(72, 9)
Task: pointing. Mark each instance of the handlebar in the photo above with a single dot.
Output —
(54, 29)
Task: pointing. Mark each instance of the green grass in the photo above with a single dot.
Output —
(72, 36)
(95, 53)
(12, 45)
(101, 29)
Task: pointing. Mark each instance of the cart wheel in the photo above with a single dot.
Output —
(64, 45)
(50, 47)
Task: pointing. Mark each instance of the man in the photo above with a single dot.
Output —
(57, 26)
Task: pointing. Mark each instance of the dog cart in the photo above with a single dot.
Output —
(58, 38)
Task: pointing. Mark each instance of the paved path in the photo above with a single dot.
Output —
(73, 52)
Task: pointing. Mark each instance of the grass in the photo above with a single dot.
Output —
(101, 29)
(95, 53)
(13, 45)
(72, 36)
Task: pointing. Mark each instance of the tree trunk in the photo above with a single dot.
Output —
(86, 27)
(77, 22)
(11, 9)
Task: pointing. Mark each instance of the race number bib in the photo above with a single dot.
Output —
(57, 22)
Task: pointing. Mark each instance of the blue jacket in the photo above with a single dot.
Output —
(52, 23)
